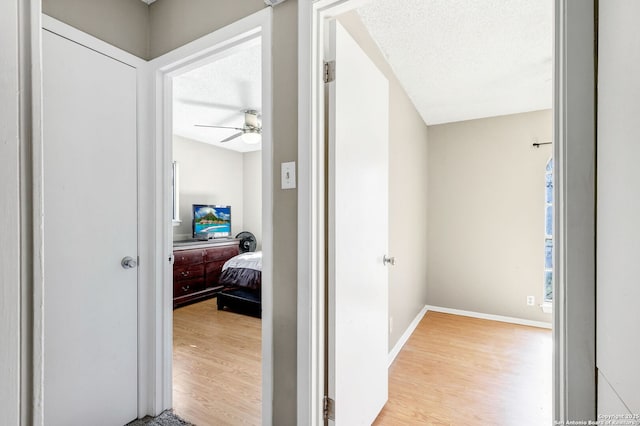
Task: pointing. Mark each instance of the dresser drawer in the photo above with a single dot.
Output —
(181, 273)
(181, 288)
(196, 270)
(188, 257)
(213, 271)
(220, 253)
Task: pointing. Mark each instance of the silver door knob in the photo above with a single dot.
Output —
(129, 262)
(388, 260)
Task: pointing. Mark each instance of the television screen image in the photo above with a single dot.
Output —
(211, 221)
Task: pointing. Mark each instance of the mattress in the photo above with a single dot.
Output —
(243, 270)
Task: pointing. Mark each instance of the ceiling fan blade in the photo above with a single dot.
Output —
(218, 127)
(213, 105)
(231, 137)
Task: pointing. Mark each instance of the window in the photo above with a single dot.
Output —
(175, 192)
(548, 233)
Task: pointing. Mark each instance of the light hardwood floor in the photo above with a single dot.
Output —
(453, 371)
(457, 370)
(216, 366)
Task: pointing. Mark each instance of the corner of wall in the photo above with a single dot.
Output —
(148, 32)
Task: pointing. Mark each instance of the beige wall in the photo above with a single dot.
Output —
(285, 212)
(149, 31)
(407, 192)
(122, 23)
(174, 23)
(208, 175)
(252, 194)
(486, 214)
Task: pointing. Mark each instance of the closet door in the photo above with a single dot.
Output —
(90, 225)
(358, 299)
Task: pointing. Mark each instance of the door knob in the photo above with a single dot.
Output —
(128, 262)
(388, 260)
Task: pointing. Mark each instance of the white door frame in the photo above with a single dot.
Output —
(574, 315)
(20, 149)
(159, 315)
(574, 133)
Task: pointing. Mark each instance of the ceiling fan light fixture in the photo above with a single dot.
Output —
(251, 137)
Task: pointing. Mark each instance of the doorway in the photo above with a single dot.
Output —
(217, 178)
(311, 76)
(171, 71)
(463, 185)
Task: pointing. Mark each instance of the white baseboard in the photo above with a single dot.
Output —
(405, 336)
(409, 331)
(500, 318)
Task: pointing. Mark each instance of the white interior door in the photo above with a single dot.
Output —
(618, 208)
(90, 225)
(358, 102)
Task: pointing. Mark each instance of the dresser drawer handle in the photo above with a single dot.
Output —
(185, 288)
(185, 274)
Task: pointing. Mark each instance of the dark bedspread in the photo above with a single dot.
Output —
(241, 277)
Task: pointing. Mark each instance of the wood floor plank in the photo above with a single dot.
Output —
(457, 370)
(453, 371)
(217, 366)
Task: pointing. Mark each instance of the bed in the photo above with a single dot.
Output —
(241, 279)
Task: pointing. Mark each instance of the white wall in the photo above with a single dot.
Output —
(252, 194)
(12, 108)
(609, 402)
(208, 175)
(486, 214)
(213, 175)
(407, 192)
(618, 207)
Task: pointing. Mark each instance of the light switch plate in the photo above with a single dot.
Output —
(288, 175)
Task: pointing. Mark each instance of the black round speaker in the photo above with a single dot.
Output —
(247, 241)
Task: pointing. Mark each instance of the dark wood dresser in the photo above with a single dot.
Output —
(197, 267)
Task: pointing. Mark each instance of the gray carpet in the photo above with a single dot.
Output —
(167, 418)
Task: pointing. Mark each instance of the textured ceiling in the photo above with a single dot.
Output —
(217, 94)
(456, 59)
(467, 59)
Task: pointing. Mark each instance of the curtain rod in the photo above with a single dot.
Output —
(537, 144)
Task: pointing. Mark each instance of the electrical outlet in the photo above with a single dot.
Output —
(531, 300)
(390, 325)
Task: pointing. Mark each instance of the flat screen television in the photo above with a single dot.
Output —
(211, 221)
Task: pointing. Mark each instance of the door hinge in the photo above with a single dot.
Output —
(171, 259)
(329, 71)
(328, 408)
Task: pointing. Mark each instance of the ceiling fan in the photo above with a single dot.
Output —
(250, 132)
